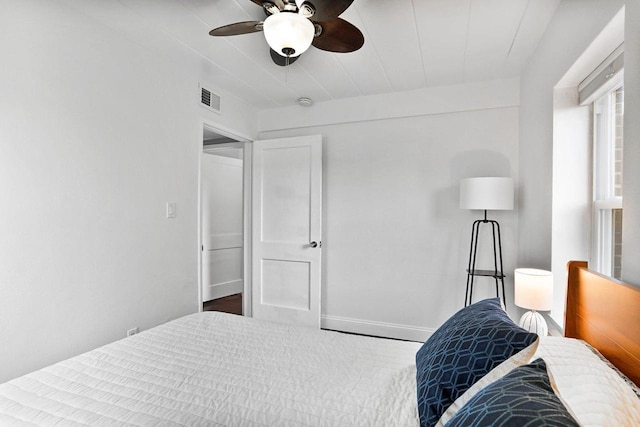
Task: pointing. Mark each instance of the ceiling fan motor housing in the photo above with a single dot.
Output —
(288, 33)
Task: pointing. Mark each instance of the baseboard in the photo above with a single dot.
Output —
(223, 289)
(379, 329)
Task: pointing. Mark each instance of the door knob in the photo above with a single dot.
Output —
(315, 244)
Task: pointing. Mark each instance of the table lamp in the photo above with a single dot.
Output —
(534, 291)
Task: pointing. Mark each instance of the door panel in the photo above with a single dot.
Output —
(286, 218)
(285, 284)
(285, 201)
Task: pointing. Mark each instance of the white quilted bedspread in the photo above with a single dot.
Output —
(211, 369)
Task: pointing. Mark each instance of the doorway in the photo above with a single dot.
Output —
(277, 198)
(222, 222)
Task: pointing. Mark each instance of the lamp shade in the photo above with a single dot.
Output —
(486, 193)
(288, 33)
(533, 289)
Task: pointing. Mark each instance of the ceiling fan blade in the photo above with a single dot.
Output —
(327, 10)
(338, 35)
(237, 29)
(281, 60)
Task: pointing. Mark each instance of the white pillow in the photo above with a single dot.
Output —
(593, 392)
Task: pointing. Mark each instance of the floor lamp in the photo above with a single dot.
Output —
(486, 193)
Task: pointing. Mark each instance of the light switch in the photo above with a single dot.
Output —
(171, 210)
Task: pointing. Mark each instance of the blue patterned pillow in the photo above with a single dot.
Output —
(466, 347)
(523, 397)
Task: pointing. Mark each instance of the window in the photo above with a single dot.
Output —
(608, 119)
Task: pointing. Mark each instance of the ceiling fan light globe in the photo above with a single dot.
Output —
(288, 32)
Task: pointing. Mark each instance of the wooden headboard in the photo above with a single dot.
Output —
(604, 312)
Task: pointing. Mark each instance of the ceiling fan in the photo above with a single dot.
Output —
(291, 26)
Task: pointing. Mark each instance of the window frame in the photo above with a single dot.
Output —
(605, 200)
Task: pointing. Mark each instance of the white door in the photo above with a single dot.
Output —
(286, 229)
(222, 224)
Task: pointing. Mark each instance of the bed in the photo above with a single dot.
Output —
(210, 369)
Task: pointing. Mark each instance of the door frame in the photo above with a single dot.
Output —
(246, 212)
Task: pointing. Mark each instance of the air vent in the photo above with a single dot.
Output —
(209, 99)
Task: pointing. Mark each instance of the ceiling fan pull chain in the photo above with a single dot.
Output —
(286, 69)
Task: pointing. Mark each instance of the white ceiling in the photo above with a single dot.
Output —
(409, 44)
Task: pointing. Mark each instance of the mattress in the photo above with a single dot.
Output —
(219, 369)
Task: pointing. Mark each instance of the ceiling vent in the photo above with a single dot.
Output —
(209, 99)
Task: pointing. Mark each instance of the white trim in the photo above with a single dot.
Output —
(200, 246)
(222, 130)
(222, 146)
(610, 203)
(247, 296)
(604, 201)
(379, 329)
(221, 290)
(421, 102)
(245, 143)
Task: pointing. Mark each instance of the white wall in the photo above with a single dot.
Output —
(572, 190)
(631, 190)
(96, 134)
(395, 243)
(574, 26)
(584, 20)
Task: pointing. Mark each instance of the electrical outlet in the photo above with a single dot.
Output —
(132, 331)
